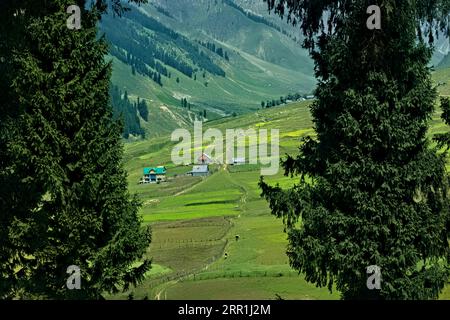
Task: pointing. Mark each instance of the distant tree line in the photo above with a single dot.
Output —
(142, 109)
(187, 105)
(159, 46)
(145, 49)
(139, 66)
(128, 112)
(218, 50)
(283, 100)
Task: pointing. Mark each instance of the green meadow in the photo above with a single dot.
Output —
(214, 237)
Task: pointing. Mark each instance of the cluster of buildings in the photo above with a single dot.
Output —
(200, 169)
(159, 174)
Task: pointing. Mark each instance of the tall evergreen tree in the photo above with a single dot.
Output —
(372, 190)
(159, 79)
(63, 188)
(143, 109)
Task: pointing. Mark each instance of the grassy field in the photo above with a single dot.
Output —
(195, 249)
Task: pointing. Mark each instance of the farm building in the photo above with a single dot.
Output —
(200, 170)
(154, 175)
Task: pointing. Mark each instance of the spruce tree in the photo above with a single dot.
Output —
(63, 189)
(372, 190)
(143, 109)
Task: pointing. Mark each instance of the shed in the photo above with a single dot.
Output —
(200, 170)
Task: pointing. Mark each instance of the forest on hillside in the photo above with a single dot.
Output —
(93, 207)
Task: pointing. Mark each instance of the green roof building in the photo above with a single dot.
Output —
(157, 174)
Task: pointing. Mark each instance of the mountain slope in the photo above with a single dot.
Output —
(213, 53)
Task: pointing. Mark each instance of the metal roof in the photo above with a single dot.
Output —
(157, 170)
(200, 169)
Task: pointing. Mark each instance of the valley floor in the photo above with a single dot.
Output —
(214, 237)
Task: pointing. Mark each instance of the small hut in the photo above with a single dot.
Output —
(200, 170)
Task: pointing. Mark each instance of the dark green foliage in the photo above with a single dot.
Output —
(139, 65)
(294, 97)
(212, 47)
(157, 78)
(443, 139)
(143, 109)
(127, 112)
(63, 189)
(372, 190)
(147, 48)
(184, 103)
(117, 6)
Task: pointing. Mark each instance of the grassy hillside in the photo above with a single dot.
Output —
(264, 59)
(262, 63)
(196, 220)
(442, 80)
(226, 21)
